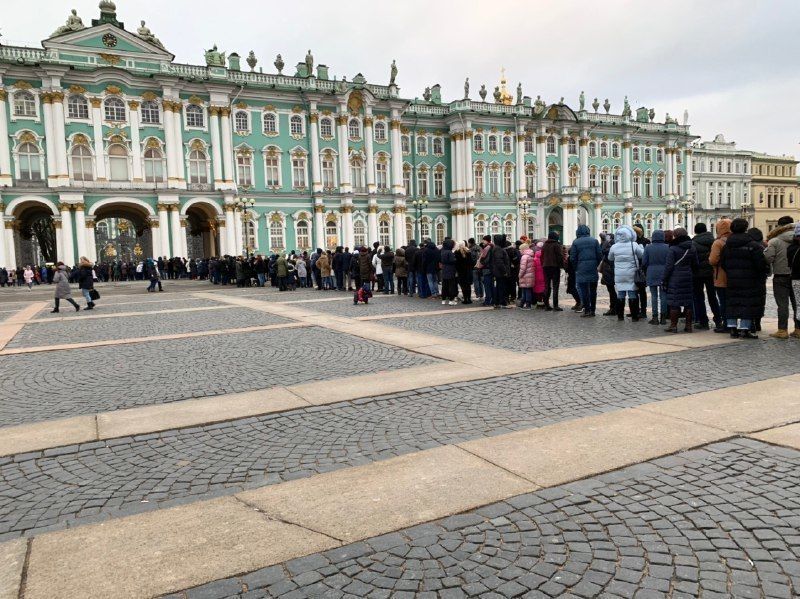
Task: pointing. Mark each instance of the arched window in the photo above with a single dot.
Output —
(573, 176)
(438, 146)
(272, 167)
(244, 168)
(572, 146)
(326, 128)
(250, 232)
(24, 104)
(615, 182)
(118, 162)
(380, 131)
(354, 129)
(82, 163)
(477, 177)
(149, 113)
(30, 164)
(407, 179)
(606, 224)
(660, 185)
(114, 109)
(637, 185)
(506, 144)
(331, 232)
(648, 185)
(592, 149)
(153, 165)
(384, 230)
(648, 154)
(197, 166)
(603, 150)
(77, 107)
(241, 121)
(195, 117)
(636, 154)
(409, 228)
(508, 228)
(422, 144)
(328, 171)
(480, 227)
(592, 176)
(604, 181)
(615, 150)
(271, 122)
(495, 226)
(659, 155)
(296, 125)
(493, 143)
(357, 174)
(425, 228)
(303, 236)
(551, 145)
(438, 183)
(276, 241)
(382, 173)
(359, 233)
(441, 232)
(477, 143)
(405, 144)
(617, 220)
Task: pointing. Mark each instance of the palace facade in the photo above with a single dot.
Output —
(101, 126)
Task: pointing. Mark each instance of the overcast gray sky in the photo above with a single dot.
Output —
(732, 63)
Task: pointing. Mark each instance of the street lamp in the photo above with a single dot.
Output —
(524, 207)
(419, 207)
(746, 211)
(686, 204)
(245, 204)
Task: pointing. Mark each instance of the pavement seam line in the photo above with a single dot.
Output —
(23, 582)
(60, 319)
(9, 330)
(498, 466)
(269, 517)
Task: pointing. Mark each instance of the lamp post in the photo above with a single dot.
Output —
(419, 207)
(746, 212)
(245, 204)
(686, 204)
(524, 207)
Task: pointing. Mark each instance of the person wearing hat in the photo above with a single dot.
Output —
(681, 264)
(554, 258)
(745, 267)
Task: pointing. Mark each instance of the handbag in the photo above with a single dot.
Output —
(94, 294)
(639, 276)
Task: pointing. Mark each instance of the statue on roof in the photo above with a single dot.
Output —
(466, 88)
(145, 33)
(309, 64)
(279, 64)
(482, 92)
(74, 23)
(252, 61)
(497, 94)
(685, 116)
(538, 105)
(596, 105)
(582, 100)
(607, 105)
(626, 109)
(427, 95)
(215, 58)
(519, 93)
(393, 72)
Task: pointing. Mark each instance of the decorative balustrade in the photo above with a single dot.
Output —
(18, 54)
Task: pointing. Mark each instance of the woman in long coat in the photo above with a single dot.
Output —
(63, 290)
(679, 271)
(86, 281)
(743, 260)
(527, 276)
(627, 256)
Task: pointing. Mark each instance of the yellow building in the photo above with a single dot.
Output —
(775, 190)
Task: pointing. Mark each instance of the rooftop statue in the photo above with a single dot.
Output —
(145, 33)
(596, 104)
(582, 101)
(497, 94)
(482, 92)
(685, 116)
(252, 61)
(309, 64)
(626, 110)
(393, 73)
(538, 105)
(466, 88)
(74, 23)
(519, 93)
(279, 64)
(215, 58)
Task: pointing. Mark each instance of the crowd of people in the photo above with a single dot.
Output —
(675, 276)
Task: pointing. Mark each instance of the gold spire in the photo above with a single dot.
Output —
(505, 97)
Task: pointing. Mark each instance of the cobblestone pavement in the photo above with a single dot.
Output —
(132, 304)
(528, 331)
(716, 522)
(103, 479)
(146, 325)
(65, 383)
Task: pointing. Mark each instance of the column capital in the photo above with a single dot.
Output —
(319, 208)
(626, 145)
(90, 223)
(79, 207)
(47, 97)
(313, 117)
(368, 120)
(213, 110)
(57, 96)
(65, 206)
(133, 105)
(3, 95)
(583, 142)
(96, 102)
(341, 119)
(540, 139)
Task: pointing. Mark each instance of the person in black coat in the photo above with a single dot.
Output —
(704, 279)
(500, 264)
(744, 263)
(86, 281)
(679, 272)
(411, 253)
(757, 236)
(464, 265)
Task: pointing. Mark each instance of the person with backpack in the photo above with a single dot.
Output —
(703, 284)
(400, 270)
(627, 256)
(678, 279)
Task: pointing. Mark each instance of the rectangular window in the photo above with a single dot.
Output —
(244, 170)
(272, 172)
(328, 174)
(299, 173)
(381, 176)
(438, 184)
(407, 181)
(494, 182)
(422, 183)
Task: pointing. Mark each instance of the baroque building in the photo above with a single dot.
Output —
(776, 192)
(100, 127)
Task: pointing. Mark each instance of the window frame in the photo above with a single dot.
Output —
(196, 114)
(115, 104)
(84, 105)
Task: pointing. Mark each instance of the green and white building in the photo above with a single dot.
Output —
(101, 126)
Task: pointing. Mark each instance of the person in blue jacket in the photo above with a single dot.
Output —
(585, 257)
(654, 261)
(626, 255)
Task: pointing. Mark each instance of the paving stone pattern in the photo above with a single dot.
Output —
(51, 385)
(131, 304)
(145, 325)
(68, 485)
(717, 522)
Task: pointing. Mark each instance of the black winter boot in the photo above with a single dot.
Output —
(620, 309)
(674, 314)
(635, 314)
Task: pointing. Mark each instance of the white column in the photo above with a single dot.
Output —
(348, 236)
(313, 131)
(598, 218)
(5, 152)
(11, 255)
(319, 226)
(99, 146)
(522, 191)
(183, 244)
(399, 227)
(563, 149)
(583, 157)
(687, 177)
(4, 233)
(628, 216)
(238, 231)
(372, 224)
(88, 234)
(136, 142)
(541, 162)
(227, 144)
(230, 232)
(59, 240)
(466, 160)
(174, 226)
(570, 212)
(68, 253)
(49, 139)
(177, 123)
(60, 138)
(668, 179)
(368, 149)
(216, 150)
(397, 157)
(344, 156)
(454, 170)
(170, 142)
(676, 191)
(626, 169)
(80, 229)
(163, 225)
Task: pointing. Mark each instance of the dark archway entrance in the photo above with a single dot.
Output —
(122, 232)
(555, 222)
(35, 235)
(202, 234)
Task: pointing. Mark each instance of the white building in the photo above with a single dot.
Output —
(721, 180)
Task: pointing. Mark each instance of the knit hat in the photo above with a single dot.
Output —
(680, 232)
(797, 229)
(553, 235)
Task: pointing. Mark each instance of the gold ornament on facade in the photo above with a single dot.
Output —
(47, 98)
(57, 223)
(626, 144)
(346, 208)
(554, 201)
(116, 139)
(153, 143)
(319, 208)
(22, 85)
(3, 95)
(341, 119)
(403, 130)
(27, 137)
(111, 59)
(313, 117)
(224, 111)
(79, 207)
(213, 111)
(355, 102)
(368, 121)
(90, 224)
(540, 139)
(297, 109)
(96, 102)
(198, 145)
(196, 100)
(147, 96)
(241, 105)
(113, 89)
(583, 142)
(57, 96)
(133, 105)
(10, 224)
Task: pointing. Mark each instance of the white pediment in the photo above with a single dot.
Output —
(107, 39)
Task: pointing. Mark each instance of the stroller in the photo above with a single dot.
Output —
(362, 294)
